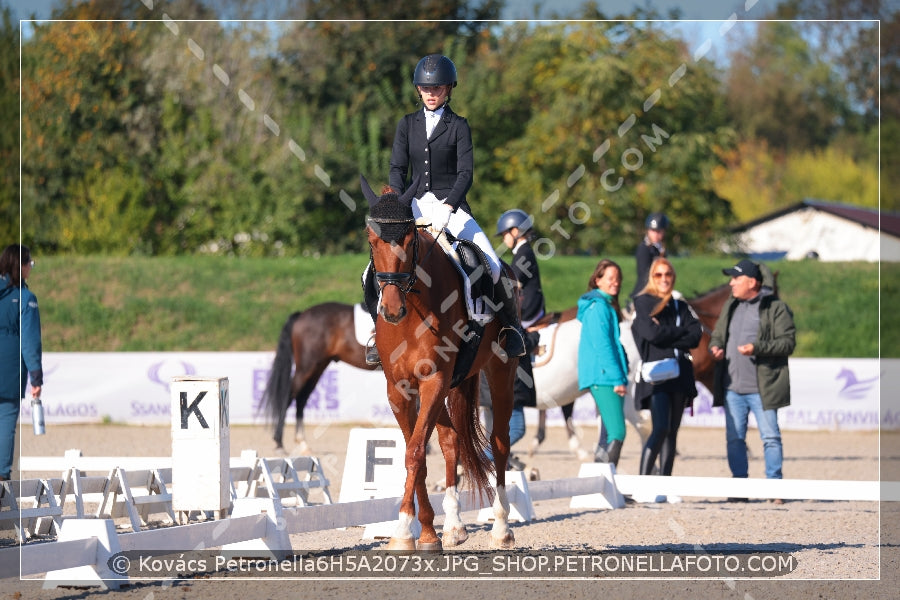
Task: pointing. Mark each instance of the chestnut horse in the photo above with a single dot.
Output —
(310, 340)
(422, 325)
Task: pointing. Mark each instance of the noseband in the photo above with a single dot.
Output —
(403, 280)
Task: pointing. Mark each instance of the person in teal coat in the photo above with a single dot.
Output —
(20, 346)
(602, 365)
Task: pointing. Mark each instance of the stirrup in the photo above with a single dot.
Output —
(372, 357)
(515, 341)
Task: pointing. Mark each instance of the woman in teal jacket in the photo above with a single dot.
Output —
(19, 320)
(602, 365)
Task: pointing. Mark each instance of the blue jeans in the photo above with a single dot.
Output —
(737, 410)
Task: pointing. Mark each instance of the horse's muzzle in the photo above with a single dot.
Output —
(392, 318)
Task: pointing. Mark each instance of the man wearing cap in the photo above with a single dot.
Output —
(751, 342)
(650, 248)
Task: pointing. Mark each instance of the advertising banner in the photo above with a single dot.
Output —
(133, 388)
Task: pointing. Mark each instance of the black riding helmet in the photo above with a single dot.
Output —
(514, 218)
(435, 69)
(657, 220)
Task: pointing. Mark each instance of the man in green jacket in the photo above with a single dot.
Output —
(752, 341)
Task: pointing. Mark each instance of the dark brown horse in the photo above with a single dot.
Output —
(310, 340)
(421, 331)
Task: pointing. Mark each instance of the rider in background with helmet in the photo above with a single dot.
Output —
(650, 248)
(434, 147)
(515, 228)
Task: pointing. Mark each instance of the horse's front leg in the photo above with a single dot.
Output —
(405, 413)
(454, 531)
(415, 482)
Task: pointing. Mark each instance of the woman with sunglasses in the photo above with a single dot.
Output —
(663, 327)
(20, 346)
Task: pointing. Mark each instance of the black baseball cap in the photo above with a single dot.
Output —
(745, 267)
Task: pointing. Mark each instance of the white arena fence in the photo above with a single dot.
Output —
(271, 501)
(826, 394)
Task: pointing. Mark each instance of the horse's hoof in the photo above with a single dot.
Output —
(429, 546)
(454, 537)
(280, 451)
(534, 475)
(402, 544)
(507, 542)
(535, 443)
(302, 449)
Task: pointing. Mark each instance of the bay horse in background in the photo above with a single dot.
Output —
(556, 376)
(421, 332)
(310, 340)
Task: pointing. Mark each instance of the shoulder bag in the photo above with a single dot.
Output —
(661, 370)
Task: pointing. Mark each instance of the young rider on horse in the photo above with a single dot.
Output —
(434, 146)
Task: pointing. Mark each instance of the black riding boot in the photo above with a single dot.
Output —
(648, 460)
(613, 450)
(505, 291)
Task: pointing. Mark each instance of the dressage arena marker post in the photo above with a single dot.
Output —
(375, 467)
(610, 497)
(201, 477)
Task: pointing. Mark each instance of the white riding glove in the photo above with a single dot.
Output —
(441, 215)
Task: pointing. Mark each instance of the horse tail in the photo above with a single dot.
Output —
(277, 396)
(462, 404)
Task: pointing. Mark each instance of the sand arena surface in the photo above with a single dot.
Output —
(841, 548)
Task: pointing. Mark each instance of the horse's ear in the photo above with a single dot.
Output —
(410, 192)
(369, 195)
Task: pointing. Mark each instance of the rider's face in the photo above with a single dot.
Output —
(433, 96)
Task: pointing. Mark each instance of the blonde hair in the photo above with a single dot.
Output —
(652, 289)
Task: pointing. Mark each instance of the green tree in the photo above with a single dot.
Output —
(86, 110)
(779, 90)
(579, 92)
(9, 140)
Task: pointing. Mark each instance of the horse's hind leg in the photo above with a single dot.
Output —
(572, 432)
(501, 535)
(540, 434)
(502, 396)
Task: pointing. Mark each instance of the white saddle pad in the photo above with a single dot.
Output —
(362, 324)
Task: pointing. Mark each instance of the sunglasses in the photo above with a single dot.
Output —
(667, 275)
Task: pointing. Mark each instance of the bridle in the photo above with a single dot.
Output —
(404, 281)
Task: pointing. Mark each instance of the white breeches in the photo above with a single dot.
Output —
(463, 226)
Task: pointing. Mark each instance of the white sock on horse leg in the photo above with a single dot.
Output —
(451, 509)
(501, 513)
(404, 527)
